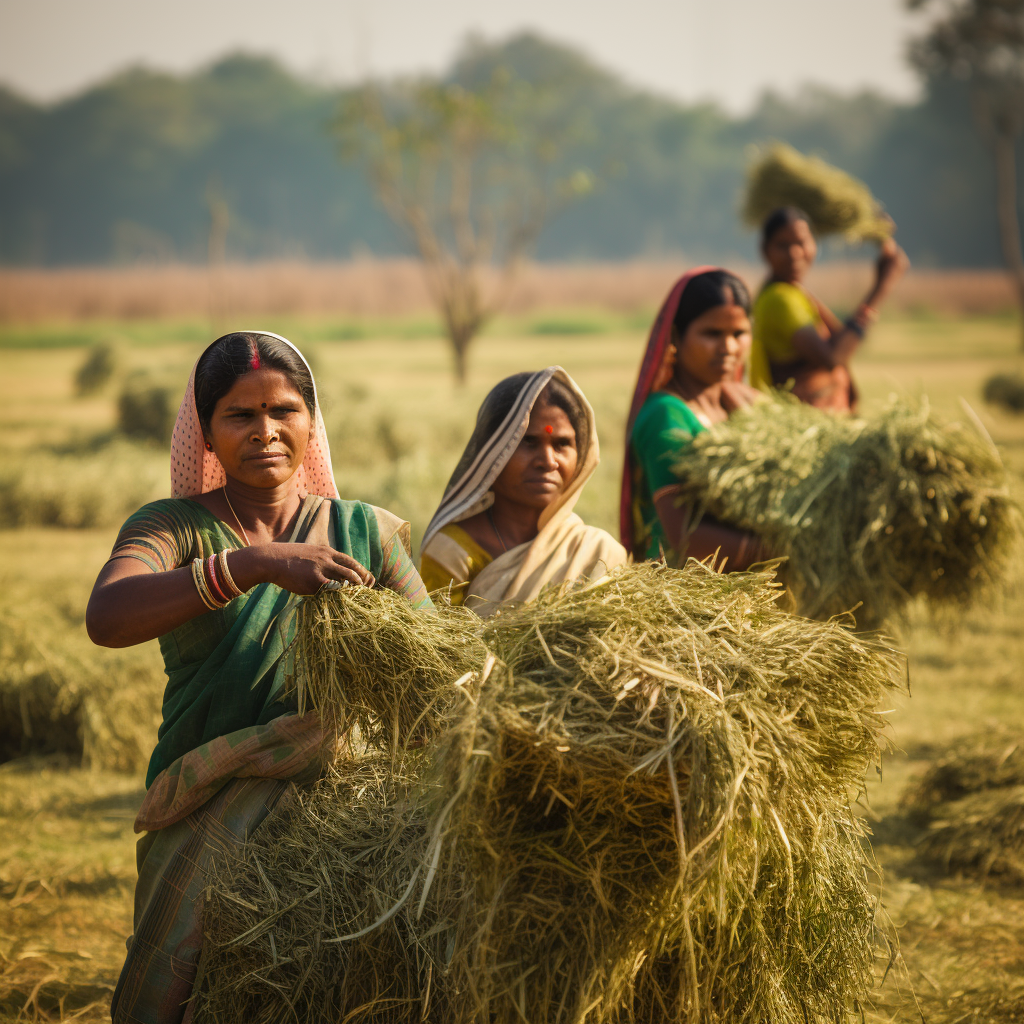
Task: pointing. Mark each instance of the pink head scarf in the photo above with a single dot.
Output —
(194, 470)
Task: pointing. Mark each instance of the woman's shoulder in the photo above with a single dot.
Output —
(781, 296)
(451, 555)
(169, 513)
(662, 409)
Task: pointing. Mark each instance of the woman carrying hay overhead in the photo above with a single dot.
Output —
(255, 518)
(689, 380)
(796, 337)
(505, 527)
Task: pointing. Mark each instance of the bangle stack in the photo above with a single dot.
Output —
(213, 580)
(863, 317)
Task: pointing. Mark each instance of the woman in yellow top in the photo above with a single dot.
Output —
(506, 527)
(796, 337)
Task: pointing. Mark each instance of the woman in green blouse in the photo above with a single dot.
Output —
(213, 571)
(689, 380)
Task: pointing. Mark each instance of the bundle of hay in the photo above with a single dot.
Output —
(972, 804)
(636, 807)
(868, 512)
(60, 694)
(1006, 390)
(835, 202)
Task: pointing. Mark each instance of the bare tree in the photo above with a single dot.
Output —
(472, 176)
(982, 42)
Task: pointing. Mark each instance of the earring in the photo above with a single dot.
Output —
(209, 447)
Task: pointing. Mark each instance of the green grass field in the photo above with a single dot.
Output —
(397, 425)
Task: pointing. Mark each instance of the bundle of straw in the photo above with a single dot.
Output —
(971, 802)
(835, 202)
(637, 808)
(868, 512)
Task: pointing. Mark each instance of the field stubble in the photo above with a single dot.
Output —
(397, 426)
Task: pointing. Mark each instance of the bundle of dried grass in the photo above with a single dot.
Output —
(1005, 390)
(638, 808)
(868, 512)
(59, 694)
(972, 803)
(835, 202)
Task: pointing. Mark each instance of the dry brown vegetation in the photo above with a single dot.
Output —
(384, 288)
(397, 424)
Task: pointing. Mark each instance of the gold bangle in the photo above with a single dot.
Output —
(222, 562)
(200, 581)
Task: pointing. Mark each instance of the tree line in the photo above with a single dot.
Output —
(137, 167)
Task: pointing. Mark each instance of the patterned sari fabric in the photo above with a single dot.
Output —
(231, 745)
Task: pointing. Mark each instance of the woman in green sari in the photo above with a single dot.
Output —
(689, 380)
(255, 518)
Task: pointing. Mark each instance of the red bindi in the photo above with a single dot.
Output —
(550, 429)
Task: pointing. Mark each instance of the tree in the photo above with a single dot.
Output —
(472, 175)
(982, 43)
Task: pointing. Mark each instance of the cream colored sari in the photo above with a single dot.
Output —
(565, 548)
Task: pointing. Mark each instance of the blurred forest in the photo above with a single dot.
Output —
(124, 172)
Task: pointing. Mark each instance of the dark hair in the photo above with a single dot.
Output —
(503, 395)
(780, 218)
(233, 356)
(706, 291)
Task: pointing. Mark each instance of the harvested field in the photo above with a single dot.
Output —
(396, 423)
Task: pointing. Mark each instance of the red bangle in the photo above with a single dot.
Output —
(211, 578)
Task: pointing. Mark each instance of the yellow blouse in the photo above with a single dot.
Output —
(779, 312)
(452, 558)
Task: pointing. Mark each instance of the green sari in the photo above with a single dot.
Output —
(230, 748)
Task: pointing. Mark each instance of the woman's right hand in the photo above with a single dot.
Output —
(892, 263)
(299, 568)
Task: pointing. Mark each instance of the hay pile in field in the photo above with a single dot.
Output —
(972, 803)
(835, 202)
(1006, 390)
(637, 807)
(60, 694)
(871, 512)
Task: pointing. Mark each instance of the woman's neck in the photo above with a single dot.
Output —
(701, 397)
(265, 513)
(515, 523)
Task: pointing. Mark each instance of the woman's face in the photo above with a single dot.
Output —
(544, 462)
(260, 429)
(791, 251)
(715, 345)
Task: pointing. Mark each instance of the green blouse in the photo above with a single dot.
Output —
(223, 666)
(661, 429)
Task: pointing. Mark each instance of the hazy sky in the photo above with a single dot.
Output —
(728, 50)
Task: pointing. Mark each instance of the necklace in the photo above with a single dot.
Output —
(245, 536)
(490, 519)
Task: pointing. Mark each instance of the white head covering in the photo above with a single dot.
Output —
(194, 470)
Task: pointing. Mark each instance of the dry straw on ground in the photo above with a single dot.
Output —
(972, 803)
(835, 202)
(869, 512)
(636, 807)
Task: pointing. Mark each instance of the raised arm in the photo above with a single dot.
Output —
(836, 344)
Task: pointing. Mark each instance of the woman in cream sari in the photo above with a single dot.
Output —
(505, 528)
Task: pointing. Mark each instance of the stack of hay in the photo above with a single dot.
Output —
(972, 803)
(870, 513)
(835, 202)
(629, 801)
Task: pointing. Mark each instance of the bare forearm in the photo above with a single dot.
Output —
(740, 548)
(128, 607)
